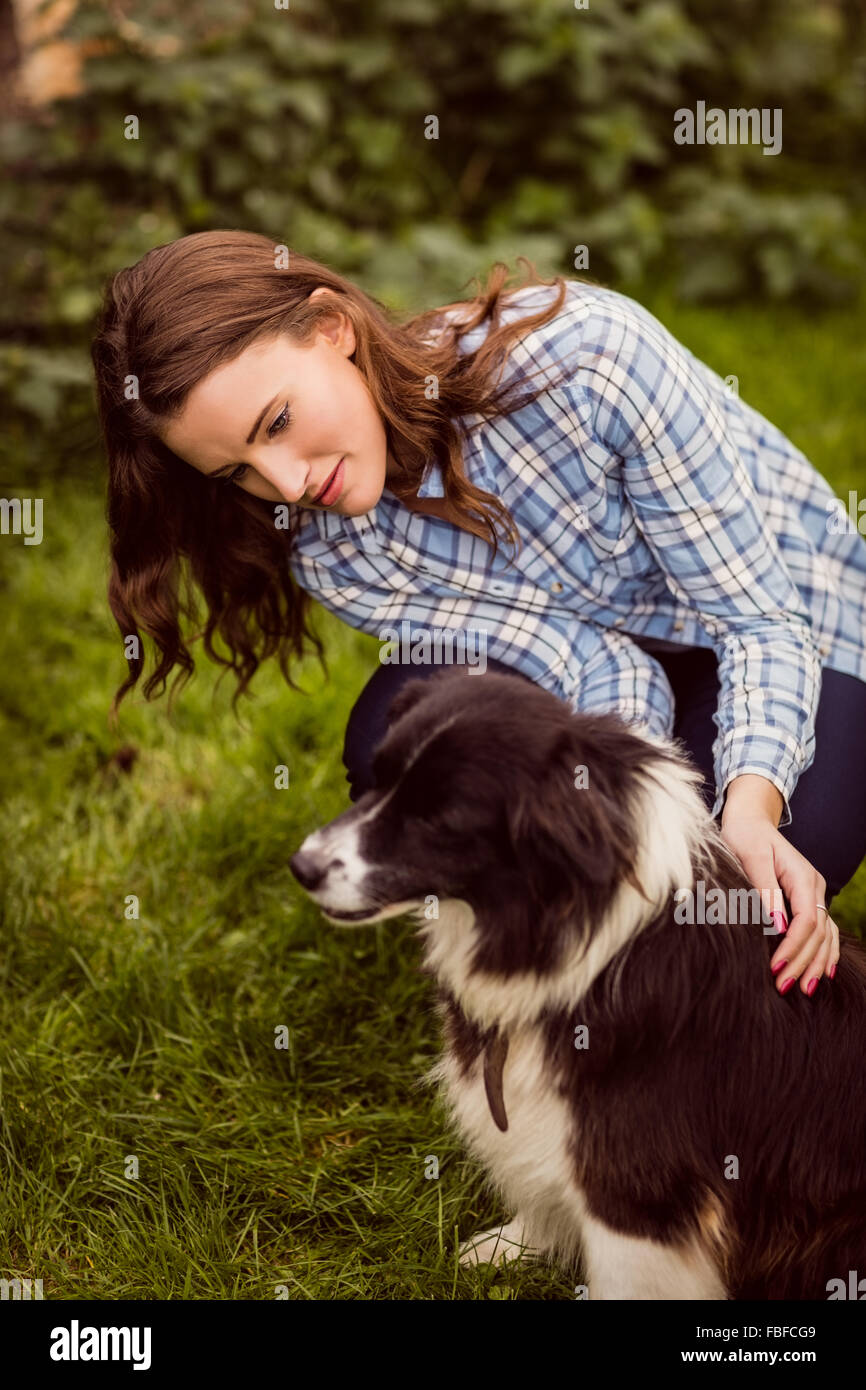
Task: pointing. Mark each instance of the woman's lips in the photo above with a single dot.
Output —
(332, 489)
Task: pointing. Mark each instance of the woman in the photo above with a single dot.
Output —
(267, 423)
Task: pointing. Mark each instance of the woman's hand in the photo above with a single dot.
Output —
(810, 947)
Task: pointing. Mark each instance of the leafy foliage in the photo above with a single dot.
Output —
(311, 124)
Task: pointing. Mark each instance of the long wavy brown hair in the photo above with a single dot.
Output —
(185, 309)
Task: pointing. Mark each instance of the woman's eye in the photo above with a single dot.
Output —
(282, 420)
(283, 417)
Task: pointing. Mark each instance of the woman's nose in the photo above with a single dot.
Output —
(289, 476)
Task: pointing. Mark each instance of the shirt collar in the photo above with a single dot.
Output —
(431, 484)
(477, 463)
(480, 470)
(330, 525)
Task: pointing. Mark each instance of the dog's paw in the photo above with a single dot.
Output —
(498, 1246)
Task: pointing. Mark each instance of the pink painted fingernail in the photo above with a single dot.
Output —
(812, 986)
(786, 986)
(832, 971)
(782, 924)
(781, 966)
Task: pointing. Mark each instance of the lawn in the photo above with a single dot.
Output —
(156, 1142)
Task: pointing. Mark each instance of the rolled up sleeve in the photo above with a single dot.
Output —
(695, 505)
(610, 674)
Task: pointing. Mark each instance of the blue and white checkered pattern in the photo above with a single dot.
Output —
(655, 507)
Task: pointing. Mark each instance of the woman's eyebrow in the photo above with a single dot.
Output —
(255, 429)
(250, 437)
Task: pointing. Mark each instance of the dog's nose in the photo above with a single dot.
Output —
(309, 869)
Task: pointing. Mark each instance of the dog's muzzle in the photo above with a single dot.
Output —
(332, 866)
(311, 869)
(329, 866)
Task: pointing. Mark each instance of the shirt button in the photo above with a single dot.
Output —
(617, 622)
(556, 587)
(678, 627)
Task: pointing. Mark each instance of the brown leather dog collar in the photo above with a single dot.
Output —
(494, 1064)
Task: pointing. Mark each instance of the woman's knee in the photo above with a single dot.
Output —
(828, 805)
(368, 722)
(828, 836)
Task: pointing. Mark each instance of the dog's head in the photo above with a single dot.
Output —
(491, 790)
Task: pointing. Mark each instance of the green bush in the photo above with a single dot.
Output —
(555, 129)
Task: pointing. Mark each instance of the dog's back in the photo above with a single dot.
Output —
(682, 1104)
(704, 1101)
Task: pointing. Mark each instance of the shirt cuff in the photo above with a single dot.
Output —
(766, 759)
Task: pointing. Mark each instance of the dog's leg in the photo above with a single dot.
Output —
(499, 1245)
(621, 1266)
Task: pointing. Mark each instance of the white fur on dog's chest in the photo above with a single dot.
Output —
(530, 1161)
(533, 1167)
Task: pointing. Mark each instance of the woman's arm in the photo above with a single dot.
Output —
(696, 507)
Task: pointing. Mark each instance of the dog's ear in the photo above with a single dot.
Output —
(570, 841)
(415, 689)
(407, 698)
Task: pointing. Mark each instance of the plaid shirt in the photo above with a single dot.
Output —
(657, 510)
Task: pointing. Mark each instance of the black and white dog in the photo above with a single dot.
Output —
(633, 1083)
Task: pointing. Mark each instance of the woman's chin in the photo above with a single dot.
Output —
(357, 500)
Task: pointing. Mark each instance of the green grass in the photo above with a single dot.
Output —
(154, 1038)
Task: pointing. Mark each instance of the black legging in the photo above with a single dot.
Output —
(828, 806)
